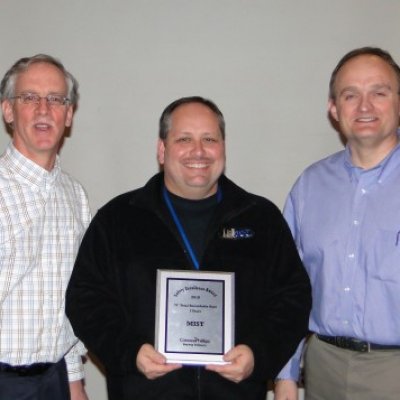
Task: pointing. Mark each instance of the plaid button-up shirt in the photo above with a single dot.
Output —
(43, 216)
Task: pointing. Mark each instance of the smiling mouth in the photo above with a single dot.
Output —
(197, 165)
(366, 119)
(42, 126)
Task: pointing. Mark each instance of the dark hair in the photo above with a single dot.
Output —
(7, 85)
(372, 51)
(165, 119)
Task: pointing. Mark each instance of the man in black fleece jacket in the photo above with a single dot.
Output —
(180, 220)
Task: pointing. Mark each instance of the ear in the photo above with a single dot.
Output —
(333, 109)
(160, 151)
(70, 113)
(8, 112)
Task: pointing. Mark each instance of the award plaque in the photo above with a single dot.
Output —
(194, 316)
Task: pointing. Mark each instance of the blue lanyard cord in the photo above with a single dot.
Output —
(180, 229)
(219, 195)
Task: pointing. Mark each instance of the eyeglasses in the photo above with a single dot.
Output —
(34, 98)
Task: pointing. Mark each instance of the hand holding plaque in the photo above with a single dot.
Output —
(194, 316)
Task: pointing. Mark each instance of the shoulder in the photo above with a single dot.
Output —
(263, 203)
(6, 174)
(322, 169)
(133, 201)
(244, 199)
(325, 163)
(120, 201)
(72, 184)
(145, 197)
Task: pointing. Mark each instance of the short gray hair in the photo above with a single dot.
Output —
(7, 85)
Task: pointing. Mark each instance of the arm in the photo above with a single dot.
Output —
(73, 361)
(94, 304)
(291, 214)
(287, 305)
(286, 389)
(77, 390)
(291, 371)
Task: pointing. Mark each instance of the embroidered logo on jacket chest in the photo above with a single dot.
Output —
(237, 233)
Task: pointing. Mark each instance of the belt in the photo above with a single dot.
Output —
(26, 370)
(349, 343)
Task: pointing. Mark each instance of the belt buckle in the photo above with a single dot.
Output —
(364, 347)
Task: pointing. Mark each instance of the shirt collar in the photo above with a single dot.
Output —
(30, 172)
(381, 171)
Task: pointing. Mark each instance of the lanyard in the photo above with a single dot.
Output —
(178, 224)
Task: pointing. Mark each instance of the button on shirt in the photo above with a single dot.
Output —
(43, 216)
(346, 224)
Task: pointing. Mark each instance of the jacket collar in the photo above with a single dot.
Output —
(234, 199)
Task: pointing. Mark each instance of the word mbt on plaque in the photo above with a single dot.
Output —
(194, 316)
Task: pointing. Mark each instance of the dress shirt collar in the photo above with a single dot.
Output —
(29, 172)
(378, 173)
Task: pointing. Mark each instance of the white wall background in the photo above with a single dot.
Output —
(265, 63)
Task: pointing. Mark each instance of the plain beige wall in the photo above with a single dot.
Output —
(265, 63)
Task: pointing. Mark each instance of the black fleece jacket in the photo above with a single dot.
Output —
(111, 295)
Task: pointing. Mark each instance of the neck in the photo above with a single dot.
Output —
(193, 194)
(45, 160)
(368, 156)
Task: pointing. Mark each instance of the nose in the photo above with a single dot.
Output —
(198, 147)
(365, 103)
(42, 107)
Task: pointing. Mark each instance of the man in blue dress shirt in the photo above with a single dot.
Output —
(344, 212)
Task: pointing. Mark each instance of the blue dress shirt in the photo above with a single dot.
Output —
(346, 224)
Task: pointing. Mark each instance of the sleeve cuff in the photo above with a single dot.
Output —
(291, 370)
(73, 360)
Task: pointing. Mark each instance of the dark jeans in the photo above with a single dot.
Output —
(50, 385)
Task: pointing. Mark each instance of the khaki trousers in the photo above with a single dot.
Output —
(332, 373)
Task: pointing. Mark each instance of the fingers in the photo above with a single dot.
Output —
(241, 364)
(153, 364)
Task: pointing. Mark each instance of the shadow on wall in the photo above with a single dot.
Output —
(97, 363)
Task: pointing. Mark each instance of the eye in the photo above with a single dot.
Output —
(56, 99)
(210, 140)
(183, 139)
(349, 96)
(29, 98)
